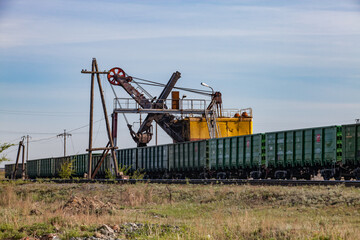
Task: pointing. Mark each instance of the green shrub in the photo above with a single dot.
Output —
(109, 174)
(6, 227)
(38, 229)
(66, 170)
(124, 169)
(138, 174)
(71, 233)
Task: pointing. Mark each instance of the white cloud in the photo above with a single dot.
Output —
(141, 21)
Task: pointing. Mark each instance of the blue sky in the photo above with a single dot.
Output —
(296, 63)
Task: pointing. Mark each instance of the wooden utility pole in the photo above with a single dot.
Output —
(110, 145)
(91, 119)
(65, 134)
(21, 147)
(23, 174)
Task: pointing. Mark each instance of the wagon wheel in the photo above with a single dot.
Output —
(115, 72)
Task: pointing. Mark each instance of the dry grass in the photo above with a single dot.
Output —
(201, 212)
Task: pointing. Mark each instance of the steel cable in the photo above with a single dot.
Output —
(180, 88)
(199, 91)
(117, 99)
(142, 89)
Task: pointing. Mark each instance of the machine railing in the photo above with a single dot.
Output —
(246, 112)
(185, 107)
(180, 106)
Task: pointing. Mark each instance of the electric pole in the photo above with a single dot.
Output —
(65, 134)
(27, 157)
(21, 147)
(27, 147)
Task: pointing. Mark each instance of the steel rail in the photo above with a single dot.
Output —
(274, 182)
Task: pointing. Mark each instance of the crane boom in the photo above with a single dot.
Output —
(163, 119)
(143, 136)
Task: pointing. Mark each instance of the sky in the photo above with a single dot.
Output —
(295, 63)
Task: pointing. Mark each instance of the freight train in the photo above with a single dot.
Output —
(332, 151)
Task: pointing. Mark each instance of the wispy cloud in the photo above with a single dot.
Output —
(79, 22)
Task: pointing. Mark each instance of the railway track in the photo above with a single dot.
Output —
(207, 182)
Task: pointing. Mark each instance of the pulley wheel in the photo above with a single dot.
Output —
(115, 72)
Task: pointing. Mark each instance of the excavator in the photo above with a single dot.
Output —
(181, 123)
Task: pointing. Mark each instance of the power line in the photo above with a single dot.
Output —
(15, 140)
(31, 133)
(21, 111)
(73, 147)
(97, 133)
(43, 139)
(47, 138)
(35, 113)
(46, 141)
(10, 151)
(75, 129)
(17, 132)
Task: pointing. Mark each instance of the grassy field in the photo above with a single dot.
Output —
(149, 211)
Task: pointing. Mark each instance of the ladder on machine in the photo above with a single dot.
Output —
(212, 124)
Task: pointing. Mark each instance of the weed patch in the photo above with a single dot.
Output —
(151, 211)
